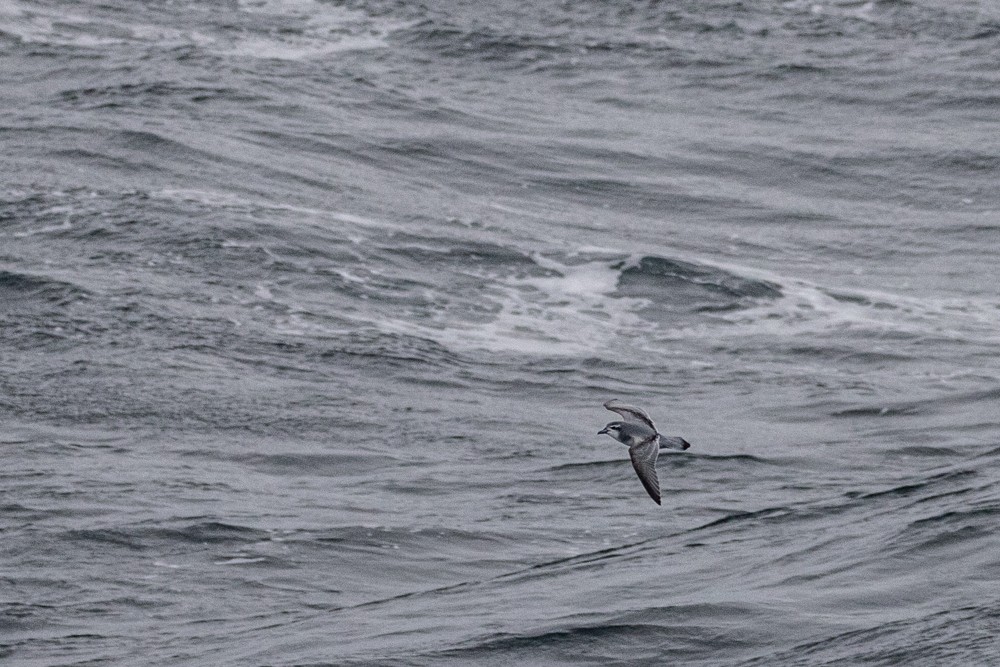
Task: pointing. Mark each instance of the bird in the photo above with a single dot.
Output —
(639, 434)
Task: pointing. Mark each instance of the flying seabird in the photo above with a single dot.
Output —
(638, 433)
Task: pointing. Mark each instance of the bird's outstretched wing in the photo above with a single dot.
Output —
(629, 413)
(644, 461)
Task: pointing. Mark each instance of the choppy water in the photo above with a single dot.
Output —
(309, 308)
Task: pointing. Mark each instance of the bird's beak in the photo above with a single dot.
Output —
(603, 431)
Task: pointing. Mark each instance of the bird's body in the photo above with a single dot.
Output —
(639, 434)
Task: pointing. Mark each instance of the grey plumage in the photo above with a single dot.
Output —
(638, 433)
(630, 414)
(644, 461)
(673, 442)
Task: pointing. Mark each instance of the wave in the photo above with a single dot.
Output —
(549, 303)
(27, 291)
(915, 640)
(650, 634)
(738, 458)
(669, 459)
(710, 288)
(417, 541)
(597, 303)
(911, 488)
(947, 531)
(394, 347)
(123, 152)
(474, 294)
(297, 464)
(924, 450)
(149, 537)
(598, 633)
(264, 29)
(878, 411)
(920, 407)
(126, 95)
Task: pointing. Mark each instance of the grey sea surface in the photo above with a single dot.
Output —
(308, 310)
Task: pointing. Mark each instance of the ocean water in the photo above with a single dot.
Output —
(308, 310)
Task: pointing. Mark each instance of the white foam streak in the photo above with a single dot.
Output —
(575, 311)
(571, 312)
(808, 308)
(291, 30)
(571, 306)
(316, 30)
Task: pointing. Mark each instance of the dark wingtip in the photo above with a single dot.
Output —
(686, 445)
(658, 501)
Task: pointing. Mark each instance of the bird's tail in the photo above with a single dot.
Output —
(673, 442)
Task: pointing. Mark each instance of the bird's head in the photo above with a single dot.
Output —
(614, 429)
